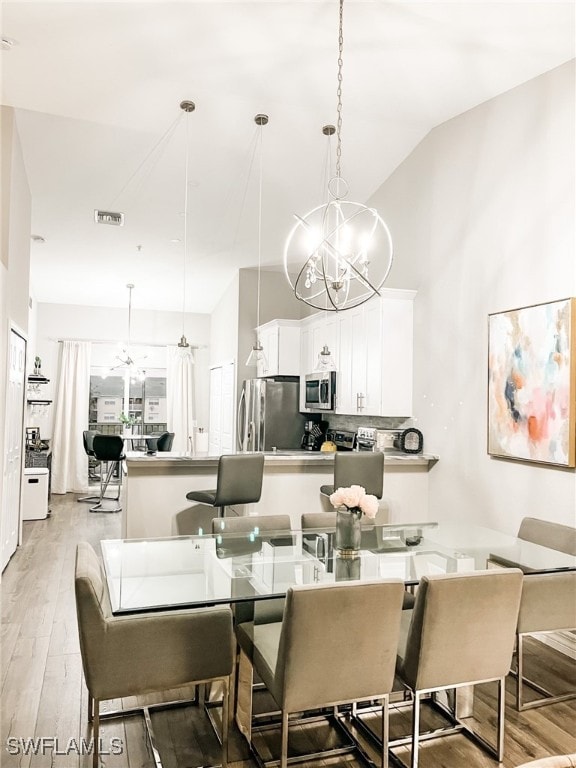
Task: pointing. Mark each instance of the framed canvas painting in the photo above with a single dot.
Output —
(532, 383)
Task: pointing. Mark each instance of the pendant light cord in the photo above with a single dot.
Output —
(187, 121)
(129, 315)
(259, 234)
(339, 90)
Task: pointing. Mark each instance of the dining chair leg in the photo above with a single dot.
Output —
(501, 716)
(385, 731)
(225, 719)
(284, 748)
(519, 671)
(415, 729)
(95, 733)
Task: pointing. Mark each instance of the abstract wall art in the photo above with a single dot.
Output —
(532, 383)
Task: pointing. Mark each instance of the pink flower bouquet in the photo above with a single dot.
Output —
(355, 497)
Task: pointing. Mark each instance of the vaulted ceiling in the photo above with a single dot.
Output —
(97, 88)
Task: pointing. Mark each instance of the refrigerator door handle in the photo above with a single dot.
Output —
(241, 435)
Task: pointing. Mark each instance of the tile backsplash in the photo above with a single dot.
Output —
(341, 421)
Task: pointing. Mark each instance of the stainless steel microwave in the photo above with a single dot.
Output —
(321, 391)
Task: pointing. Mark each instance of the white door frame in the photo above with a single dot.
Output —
(13, 328)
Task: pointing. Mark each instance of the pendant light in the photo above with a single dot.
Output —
(338, 255)
(125, 357)
(257, 356)
(184, 349)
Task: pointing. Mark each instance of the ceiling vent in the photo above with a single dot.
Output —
(107, 217)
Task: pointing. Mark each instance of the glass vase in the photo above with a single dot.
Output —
(348, 531)
(347, 568)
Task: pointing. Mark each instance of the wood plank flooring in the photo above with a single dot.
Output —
(43, 692)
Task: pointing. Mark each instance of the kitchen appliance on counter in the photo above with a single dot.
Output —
(366, 439)
(268, 415)
(342, 439)
(314, 435)
(410, 440)
(399, 440)
(320, 391)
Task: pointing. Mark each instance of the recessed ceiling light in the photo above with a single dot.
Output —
(7, 43)
(37, 239)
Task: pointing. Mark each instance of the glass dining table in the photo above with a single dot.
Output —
(227, 567)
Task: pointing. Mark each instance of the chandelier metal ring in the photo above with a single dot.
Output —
(345, 266)
(338, 187)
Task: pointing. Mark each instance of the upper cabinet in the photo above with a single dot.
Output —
(372, 350)
(280, 340)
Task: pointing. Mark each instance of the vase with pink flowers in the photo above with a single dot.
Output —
(351, 503)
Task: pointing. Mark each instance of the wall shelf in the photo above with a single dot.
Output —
(39, 402)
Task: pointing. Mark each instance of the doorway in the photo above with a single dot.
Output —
(13, 429)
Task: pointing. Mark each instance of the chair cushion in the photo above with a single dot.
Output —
(204, 497)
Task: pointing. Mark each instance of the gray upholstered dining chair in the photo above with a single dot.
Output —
(310, 661)
(239, 481)
(261, 611)
(547, 534)
(134, 655)
(460, 633)
(548, 605)
(357, 468)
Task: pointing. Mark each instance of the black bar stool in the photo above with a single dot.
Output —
(109, 449)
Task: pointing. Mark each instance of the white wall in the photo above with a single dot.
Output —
(62, 321)
(14, 255)
(224, 326)
(482, 216)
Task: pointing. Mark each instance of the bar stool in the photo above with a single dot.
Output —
(109, 449)
(88, 436)
(365, 469)
(162, 442)
(239, 482)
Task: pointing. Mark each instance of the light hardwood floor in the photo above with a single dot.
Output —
(43, 693)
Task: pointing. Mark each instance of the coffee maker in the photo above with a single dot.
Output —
(314, 435)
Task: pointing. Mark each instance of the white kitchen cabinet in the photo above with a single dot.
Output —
(280, 340)
(375, 357)
(316, 332)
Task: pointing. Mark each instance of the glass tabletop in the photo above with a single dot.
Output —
(229, 567)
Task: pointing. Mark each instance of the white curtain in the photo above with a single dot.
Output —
(69, 463)
(180, 398)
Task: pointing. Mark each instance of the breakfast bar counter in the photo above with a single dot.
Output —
(156, 487)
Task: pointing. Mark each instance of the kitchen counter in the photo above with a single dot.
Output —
(282, 456)
(156, 487)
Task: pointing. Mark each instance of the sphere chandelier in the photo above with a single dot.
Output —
(338, 255)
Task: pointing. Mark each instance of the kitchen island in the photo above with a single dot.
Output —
(156, 487)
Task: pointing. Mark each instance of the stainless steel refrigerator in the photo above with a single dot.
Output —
(268, 415)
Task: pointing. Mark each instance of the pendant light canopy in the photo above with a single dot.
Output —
(338, 255)
(257, 356)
